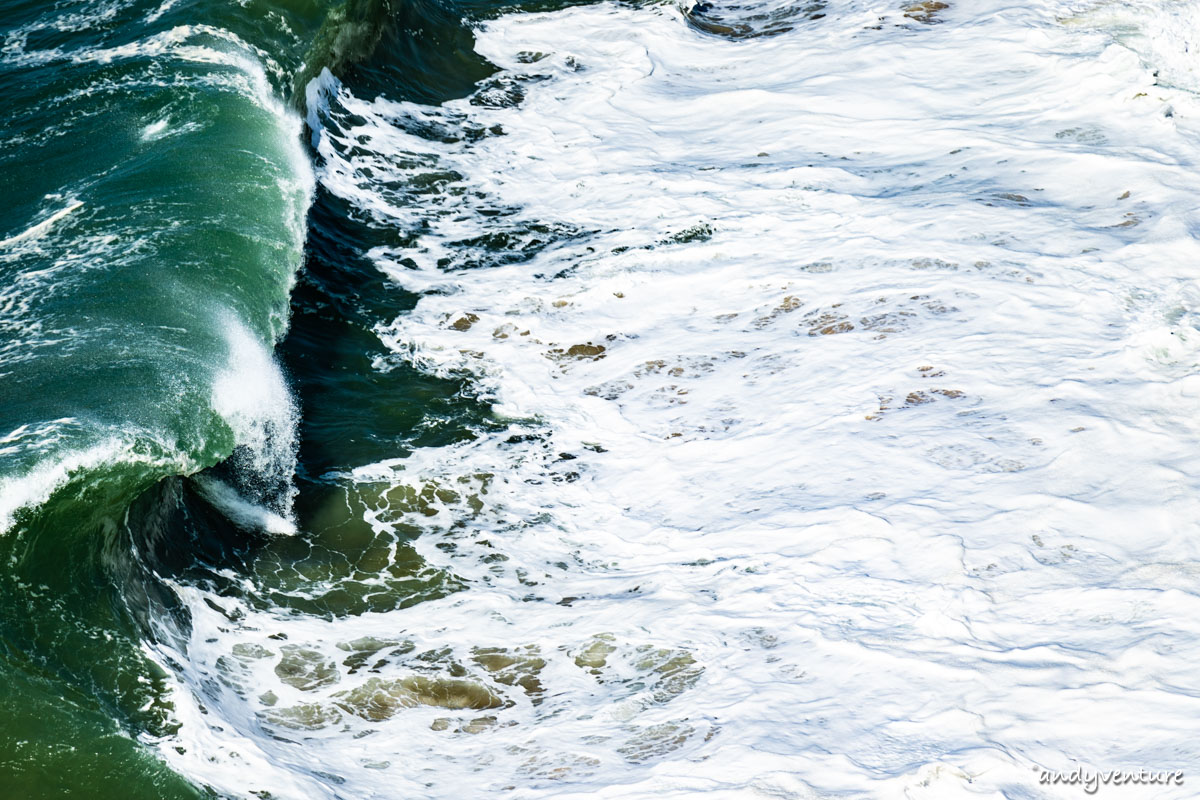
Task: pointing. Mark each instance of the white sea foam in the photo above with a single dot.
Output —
(166, 6)
(884, 481)
(40, 228)
(162, 128)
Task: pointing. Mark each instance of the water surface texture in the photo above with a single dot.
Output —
(551, 399)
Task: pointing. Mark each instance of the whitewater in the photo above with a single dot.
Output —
(845, 357)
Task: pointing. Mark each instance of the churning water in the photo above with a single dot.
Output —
(559, 399)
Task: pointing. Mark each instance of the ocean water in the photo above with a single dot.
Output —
(450, 398)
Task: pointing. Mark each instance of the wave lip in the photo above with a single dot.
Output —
(253, 398)
(27, 491)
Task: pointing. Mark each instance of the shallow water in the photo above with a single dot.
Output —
(756, 399)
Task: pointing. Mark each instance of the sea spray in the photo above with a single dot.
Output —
(252, 397)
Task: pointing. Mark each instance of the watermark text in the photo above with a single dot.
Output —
(1091, 780)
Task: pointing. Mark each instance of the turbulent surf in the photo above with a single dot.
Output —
(438, 398)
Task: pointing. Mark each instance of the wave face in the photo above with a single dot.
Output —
(137, 278)
(758, 399)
